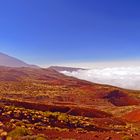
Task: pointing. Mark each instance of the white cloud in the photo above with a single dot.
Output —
(125, 77)
(97, 64)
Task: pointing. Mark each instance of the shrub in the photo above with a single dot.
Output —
(127, 138)
(40, 138)
(18, 132)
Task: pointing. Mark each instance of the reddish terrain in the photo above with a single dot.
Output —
(133, 116)
(77, 109)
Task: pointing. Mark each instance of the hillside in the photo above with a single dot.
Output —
(69, 69)
(9, 61)
(50, 102)
(66, 89)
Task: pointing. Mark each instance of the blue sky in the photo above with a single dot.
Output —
(68, 31)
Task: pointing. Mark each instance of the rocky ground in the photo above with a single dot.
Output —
(42, 104)
(18, 123)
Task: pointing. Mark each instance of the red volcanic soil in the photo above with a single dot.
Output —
(113, 95)
(109, 121)
(22, 83)
(74, 135)
(133, 116)
(88, 112)
(120, 98)
(48, 76)
(49, 90)
(71, 110)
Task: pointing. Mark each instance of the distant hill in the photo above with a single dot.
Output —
(60, 88)
(70, 69)
(11, 74)
(9, 61)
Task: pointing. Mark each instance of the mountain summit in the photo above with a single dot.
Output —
(8, 61)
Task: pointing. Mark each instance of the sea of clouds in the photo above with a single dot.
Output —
(125, 77)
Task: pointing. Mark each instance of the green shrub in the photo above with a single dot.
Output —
(40, 138)
(127, 138)
(18, 132)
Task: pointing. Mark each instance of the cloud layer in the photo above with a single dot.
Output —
(125, 77)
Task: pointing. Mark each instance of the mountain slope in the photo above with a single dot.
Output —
(9, 61)
(11, 74)
(52, 86)
(60, 68)
(45, 97)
